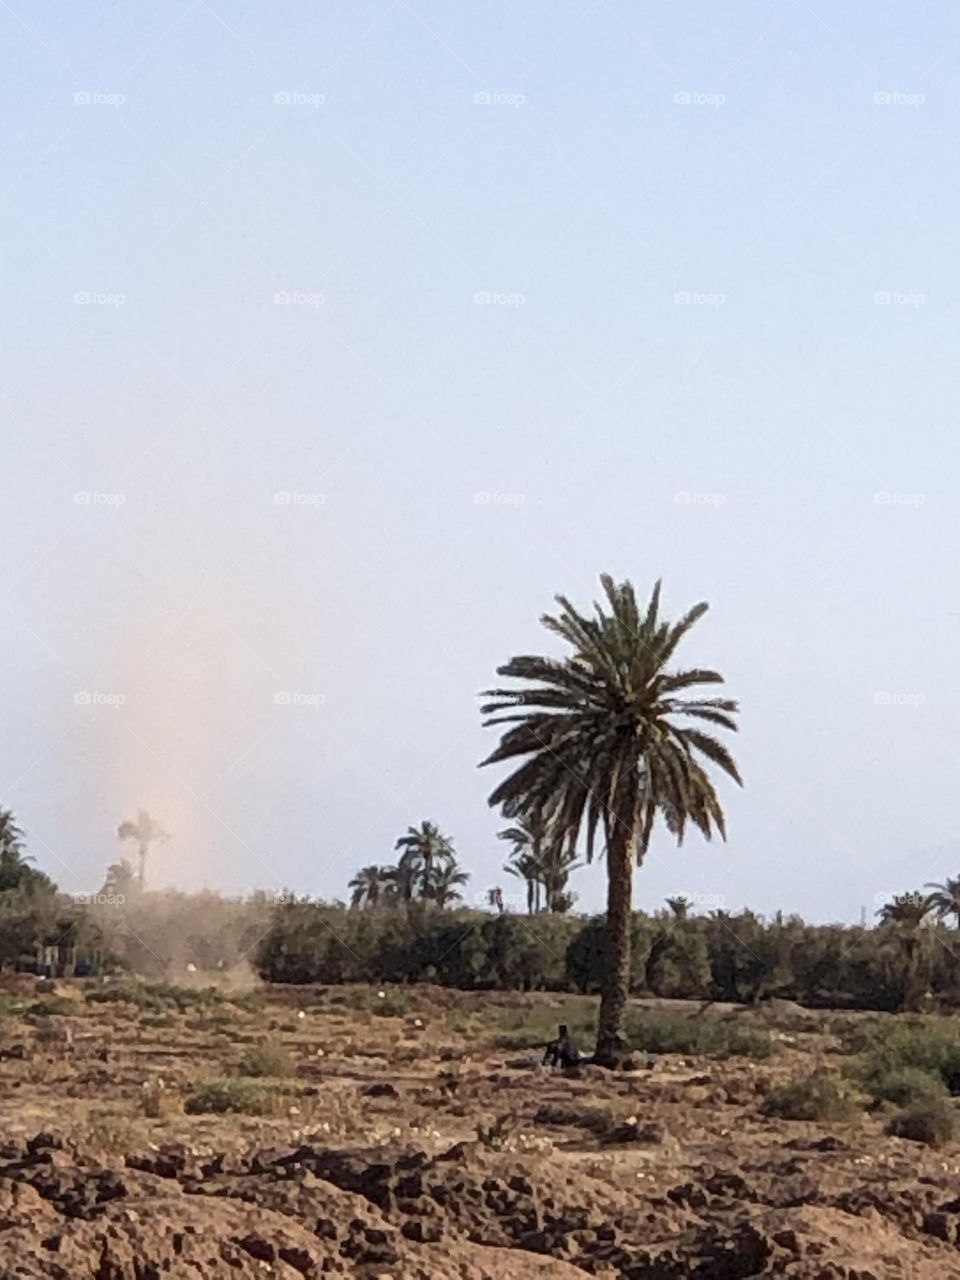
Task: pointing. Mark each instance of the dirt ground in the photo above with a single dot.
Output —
(413, 1134)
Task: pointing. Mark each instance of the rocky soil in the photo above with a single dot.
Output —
(405, 1144)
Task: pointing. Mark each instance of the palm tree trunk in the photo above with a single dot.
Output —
(615, 990)
(142, 858)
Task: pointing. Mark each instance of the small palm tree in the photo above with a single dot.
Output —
(529, 837)
(425, 847)
(11, 837)
(904, 917)
(526, 868)
(145, 831)
(495, 898)
(680, 907)
(598, 738)
(445, 882)
(368, 887)
(945, 899)
(556, 862)
(120, 882)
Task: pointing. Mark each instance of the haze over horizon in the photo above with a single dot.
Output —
(340, 339)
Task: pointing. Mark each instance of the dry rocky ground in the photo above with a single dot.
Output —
(413, 1134)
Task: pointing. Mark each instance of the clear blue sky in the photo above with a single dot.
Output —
(183, 166)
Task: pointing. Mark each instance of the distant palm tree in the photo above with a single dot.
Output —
(120, 882)
(556, 863)
(904, 917)
(15, 869)
(945, 899)
(680, 907)
(11, 837)
(369, 887)
(495, 898)
(597, 738)
(145, 831)
(529, 837)
(445, 880)
(425, 847)
(526, 868)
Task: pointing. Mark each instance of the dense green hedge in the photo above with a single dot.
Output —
(721, 957)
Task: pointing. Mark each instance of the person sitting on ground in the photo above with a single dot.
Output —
(562, 1052)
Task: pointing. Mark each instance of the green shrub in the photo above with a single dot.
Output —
(266, 1059)
(658, 1032)
(233, 1095)
(922, 1044)
(157, 997)
(817, 1097)
(932, 1121)
(52, 1007)
(903, 1085)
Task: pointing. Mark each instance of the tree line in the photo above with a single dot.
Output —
(603, 745)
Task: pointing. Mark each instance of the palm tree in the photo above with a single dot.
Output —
(495, 898)
(15, 870)
(556, 862)
(425, 847)
(680, 907)
(598, 738)
(444, 881)
(945, 899)
(369, 886)
(524, 867)
(120, 882)
(529, 837)
(145, 831)
(11, 837)
(904, 916)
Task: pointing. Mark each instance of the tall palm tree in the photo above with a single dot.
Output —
(369, 886)
(525, 868)
(598, 736)
(445, 881)
(904, 917)
(945, 899)
(145, 831)
(425, 847)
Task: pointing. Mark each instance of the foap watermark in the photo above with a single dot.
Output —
(696, 298)
(286, 298)
(95, 698)
(100, 899)
(295, 498)
(692, 498)
(97, 98)
(502, 901)
(893, 498)
(297, 698)
(297, 98)
(895, 698)
(697, 98)
(896, 98)
(492, 498)
(97, 298)
(910, 898)
(94, 498)
(894, 298)
(517, 699)
(704, 901)
(496, 98)
(484, 299)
